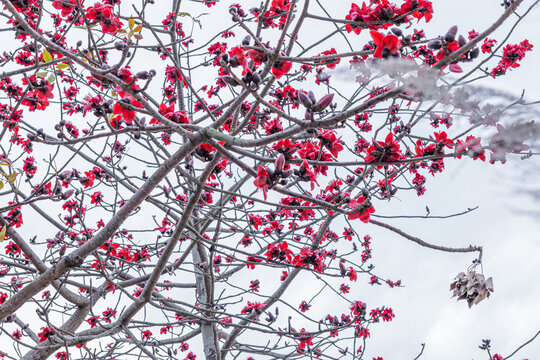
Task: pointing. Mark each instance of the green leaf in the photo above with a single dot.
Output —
(51, 79)
(42, 74)
(47, 56)
(183, 14)
(3, 233)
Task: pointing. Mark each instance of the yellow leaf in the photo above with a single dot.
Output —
(62, 66)
(2, 234)
(46, 56)
(122, 31)
(138, 28)
(131, 23)
(11, 178)
(1, 185)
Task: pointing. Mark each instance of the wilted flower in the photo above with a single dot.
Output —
(472, 287)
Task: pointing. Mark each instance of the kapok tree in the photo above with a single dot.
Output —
(173, 172)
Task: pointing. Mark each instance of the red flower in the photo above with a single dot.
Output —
(96, 198)
(257, 307)
(362, 208)
(384, 151)
(146, 334)
(127, 114)
(262, 181)
(92, 321)
(386, 45)
(45, 334)
(280, 68)
(12, 249)
(3, 297)
(330, 141)
(279, 252)
(108, 314)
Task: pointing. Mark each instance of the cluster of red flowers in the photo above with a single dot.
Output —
(382, 14)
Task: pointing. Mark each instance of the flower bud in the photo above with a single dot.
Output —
(434, 44)
(461, 41)
(397, 31)
(325, 101)
(63, 250)
(68, 194)
(142, 75)
(280, 162)
(120, 45)
(234, 62)
(311, 96)
(474, 53)
(246, 40)
(256, 78)
(227, 79)
(304, 99)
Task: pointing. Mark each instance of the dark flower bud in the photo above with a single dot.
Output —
(246, 40)
(385, 53)
(68, 194)
(453, 30)
(286, 174)
(474, 53)
(63, 250)
(143, 75)
(234, 62)
(434, 44)
(79, 43)
(31, 137)
(397, 31)
(227, 79)
(449, 37)
(225, 57)
(461, 41)
(325, 101)
(304, 99)
(152, 73)
(269, 171)
(256, 78)
(365, 193)
(279, 163)
(64, 174)
(311, 96)
(120, 45)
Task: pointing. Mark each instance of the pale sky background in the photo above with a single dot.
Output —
(505, 224)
